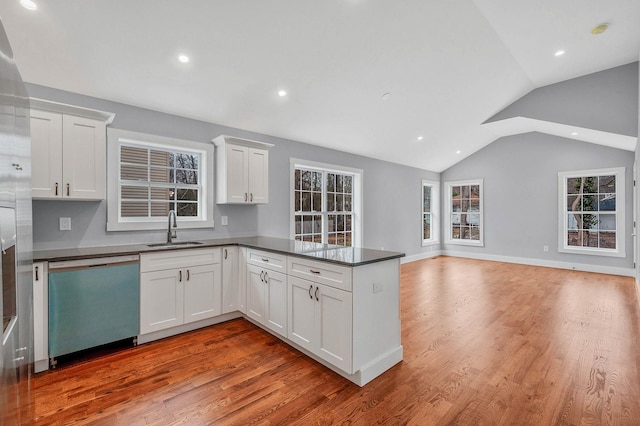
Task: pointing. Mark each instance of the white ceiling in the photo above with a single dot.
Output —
(448, 65)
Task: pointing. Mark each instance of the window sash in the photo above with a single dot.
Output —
(324, 206)
(430, 212)
(591, 204)
(464, 213)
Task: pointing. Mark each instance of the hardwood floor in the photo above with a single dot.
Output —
(485, 343)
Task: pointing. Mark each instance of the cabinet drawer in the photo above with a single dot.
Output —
(321, 272)
(176, 259)
(267, 260)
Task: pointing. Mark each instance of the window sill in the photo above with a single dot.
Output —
(592, 252)
(160, 225)
(473, 243)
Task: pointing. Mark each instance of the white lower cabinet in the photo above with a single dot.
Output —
(320, 320)
(267, 298)
(179, 287)
(230, 282)
(40, 317)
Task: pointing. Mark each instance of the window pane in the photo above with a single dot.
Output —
(455, 232)
(133, 173)
(296, 202)
(306, 201)
(473, 219)
(475, 233)
(317, 201)
(573, 220)
(162, 194)
(456, 206)
(331, 202)
(130, 154)
(331, 182)
(455, 192)
(159, 174)
(347, 203)
(607, 202)
(339, 186)
(590, 203)
(426, 198)
(331, 223)
(464, 205)
(607, 222)
(188, 194)
(466, 192)
(571, 199)
(134, 209)
(474, 205)
(426, 227)
(590, 184)
(608, 240)
(317, 224)
(186, 177)
(134, 192)
(306, 180)
(591, 239)
(186, 161)
(348, 239)
(475, 191)
(348, 184)
(159, 158)
(607, 184)
(317, 181)
(187, 209)
(339, 202)
(298, 225)
(589, 221)
(573, 185)
(160, 209)
(298, 184)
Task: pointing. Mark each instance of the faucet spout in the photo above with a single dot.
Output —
(171, 234)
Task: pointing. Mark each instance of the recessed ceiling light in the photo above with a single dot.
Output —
(574, 133)
(420, 138)
(183, 58)
(599, 29)
(386, 96)
(559, 53)
(282, 93)
(458, 152)
(28, 4)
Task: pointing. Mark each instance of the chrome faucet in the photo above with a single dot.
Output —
(171, 234)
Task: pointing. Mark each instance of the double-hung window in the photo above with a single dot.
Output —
(326, 203)
(151, 176)
(430, 208)
(464, 213)
(592, 211)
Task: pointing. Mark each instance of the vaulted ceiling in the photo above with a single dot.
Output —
(409, 82)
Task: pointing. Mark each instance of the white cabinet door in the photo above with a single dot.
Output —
(40, 318)
(230, 284)
(276, 301)
(242, 279)
(301, 320)
(161, 300)
(202, 292)
(258, 171)
(334, 326)
(83, 158)
(256, 293)
(237, 177)
(46, 154)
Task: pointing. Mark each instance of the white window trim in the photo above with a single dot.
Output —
(356, 200)
(435, 212)
(620, 173)
(114, 138)
(447, 216)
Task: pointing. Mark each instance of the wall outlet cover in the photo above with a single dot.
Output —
(65, 224)
(224, 220)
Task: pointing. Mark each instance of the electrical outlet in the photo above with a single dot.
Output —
(377, 288)
(65, 224)
(545, 248)
(224, 220)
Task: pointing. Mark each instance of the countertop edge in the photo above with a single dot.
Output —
(50, 255)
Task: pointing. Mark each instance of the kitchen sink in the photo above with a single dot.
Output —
(176, 244)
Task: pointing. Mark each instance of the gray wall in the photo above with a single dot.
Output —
(606, 101)
(521, 194)
(392, 193)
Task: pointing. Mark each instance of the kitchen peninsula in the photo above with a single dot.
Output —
(338, 305)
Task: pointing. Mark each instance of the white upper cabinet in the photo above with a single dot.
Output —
(242, 171)
(68, 150)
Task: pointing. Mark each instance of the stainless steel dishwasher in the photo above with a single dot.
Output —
(92, 302)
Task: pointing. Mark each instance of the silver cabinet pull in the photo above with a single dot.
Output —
(179, 276)
(67, 190)
(56, 188)
(188, 275)
(225, 254)
(265, 260)
(245, 197)
(314, 272)
(316, 293)
(262, 276)
(251, 197)
(37, 279)
(266, 278)
(310, 295)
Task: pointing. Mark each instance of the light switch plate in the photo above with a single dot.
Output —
(224, 220)
(65, 224)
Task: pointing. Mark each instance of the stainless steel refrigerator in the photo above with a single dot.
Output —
(16, 244)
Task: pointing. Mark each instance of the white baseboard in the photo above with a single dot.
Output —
(585, 267)
(420, 256)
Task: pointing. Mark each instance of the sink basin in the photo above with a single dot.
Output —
(176, 244)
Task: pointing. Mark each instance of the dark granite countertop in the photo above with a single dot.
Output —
(347, 256)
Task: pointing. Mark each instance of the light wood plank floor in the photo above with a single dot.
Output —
(486, 343)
